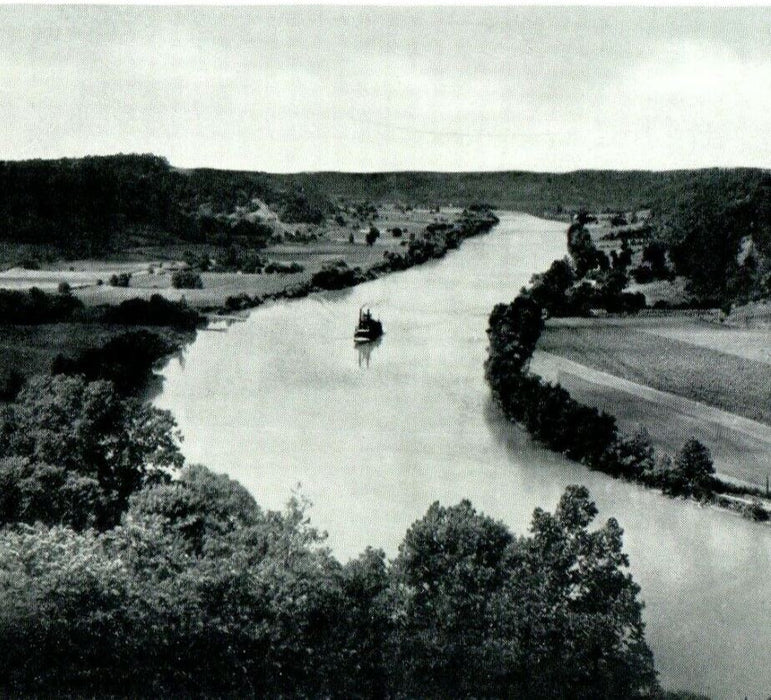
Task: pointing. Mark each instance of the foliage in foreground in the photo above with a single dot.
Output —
(73, 452)
(199, 590)
(116, 579)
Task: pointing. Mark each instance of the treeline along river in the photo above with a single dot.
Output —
(375, 435)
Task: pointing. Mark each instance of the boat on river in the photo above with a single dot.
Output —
(368, 329)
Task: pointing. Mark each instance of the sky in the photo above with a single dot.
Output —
(303, 88)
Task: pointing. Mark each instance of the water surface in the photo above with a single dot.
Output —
(375, 435)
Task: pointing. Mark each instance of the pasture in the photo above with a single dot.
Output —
(151, 267)
(678, 375)
(680, 354)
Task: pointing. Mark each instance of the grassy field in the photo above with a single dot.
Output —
(151, 267)
(653, 352)
(741, 448)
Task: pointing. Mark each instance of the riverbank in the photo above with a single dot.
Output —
(98, 315)
(282, 398)
(589, 435)
(432, 244)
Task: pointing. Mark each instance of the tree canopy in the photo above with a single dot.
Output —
(66, 443)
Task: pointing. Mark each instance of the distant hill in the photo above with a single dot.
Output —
(715, 221)
(100, 204)
(549, 194)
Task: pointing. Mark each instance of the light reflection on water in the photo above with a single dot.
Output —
(376, 436)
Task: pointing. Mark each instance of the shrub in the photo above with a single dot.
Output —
(186, 279)
(158, 311)
(337, 275)
(120, 280)
(372, 235)
(284, 268)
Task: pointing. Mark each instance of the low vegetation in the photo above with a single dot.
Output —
(186, 279)
(56, 333)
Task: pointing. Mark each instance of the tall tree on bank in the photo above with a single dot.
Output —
(479, 612)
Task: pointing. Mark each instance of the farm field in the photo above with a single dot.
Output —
(741, 448)
(725, 369)
(751, 344)
(151, 267)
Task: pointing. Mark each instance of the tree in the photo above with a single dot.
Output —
(549, 288)
(655, 254)
(88, 434)
(200, 507)
(513, 332)
(120, 280)
(693, 470)
(624, 258)
(449, 564)
(585, 255)
(372, 235)
(478, 612)
(186, 279)
(573, 609)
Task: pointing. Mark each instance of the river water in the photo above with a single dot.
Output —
(373, 436)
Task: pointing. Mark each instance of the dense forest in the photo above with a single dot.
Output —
(96, 205)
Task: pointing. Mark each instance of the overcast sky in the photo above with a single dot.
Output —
(367, 89)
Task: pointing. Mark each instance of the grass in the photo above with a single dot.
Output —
(742, 455)
(634, 351)
(332, 244)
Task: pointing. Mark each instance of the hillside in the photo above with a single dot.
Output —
(715, 223)
(550, 194)
(97, 205)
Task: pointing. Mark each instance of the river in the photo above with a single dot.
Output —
(375, 435)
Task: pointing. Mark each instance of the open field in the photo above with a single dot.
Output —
(151, 267)
(741, 448)
(751, 344)
(638, 349)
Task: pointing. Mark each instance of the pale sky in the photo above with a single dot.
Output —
(298, 88)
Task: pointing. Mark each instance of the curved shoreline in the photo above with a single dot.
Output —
(432, 247)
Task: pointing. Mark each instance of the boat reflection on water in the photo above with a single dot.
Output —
(364, 350)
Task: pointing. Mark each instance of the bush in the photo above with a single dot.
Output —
(121, 280)
(372, 235)
(337, 275)
(755, 511)
(126, 360)
(186, 279)
(284, 268)
(35, 306)
(158, 311)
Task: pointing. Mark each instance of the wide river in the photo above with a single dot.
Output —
(375, 436)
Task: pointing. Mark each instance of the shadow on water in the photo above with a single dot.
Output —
(153, 385)
(364, 351)
(507, 434)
